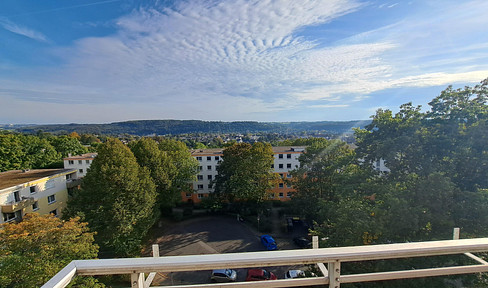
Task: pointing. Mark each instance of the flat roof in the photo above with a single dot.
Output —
(86, 156)
(219, 151)
(16, 177)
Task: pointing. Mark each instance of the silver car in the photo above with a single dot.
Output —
(223, 275)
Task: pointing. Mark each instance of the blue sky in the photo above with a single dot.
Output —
(114, 60)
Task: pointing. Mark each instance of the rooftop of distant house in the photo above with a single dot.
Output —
(219, 151)
(17, 177)
(87, 156)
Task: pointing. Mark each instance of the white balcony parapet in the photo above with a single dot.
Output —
(333, 256)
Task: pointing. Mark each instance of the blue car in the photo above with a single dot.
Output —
(269, 242)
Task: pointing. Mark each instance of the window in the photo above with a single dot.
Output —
(280, 156)
(16, 196)
(288, 156)
(8, 217)
(209, 167)
(209, 177)
(80, 170)
(272, 166)
(280, 166)
(87, 161)
(217, 158)
(32, 189)
(200, 168)
(280, 195)
(288, 195)
(288, 175)
(200, 177)
(51, 199)
(200, 196)
(199, 158)
(188, 195)
(200, 187)
(288, 165)
(35, 206)
(68, 176)
(288, 185)
(210, 186)
(80, 162)
(54, 212)
(71, 162)
(280, 185)
(209, 158)
(282, 175)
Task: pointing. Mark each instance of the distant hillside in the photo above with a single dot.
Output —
(174, 127)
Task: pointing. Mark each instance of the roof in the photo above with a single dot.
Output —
(219, 151)
(87, 156)
(17, 177)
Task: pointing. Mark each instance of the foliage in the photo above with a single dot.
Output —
(68, 145)
(35, 249)
(245, 172)
(117, 199)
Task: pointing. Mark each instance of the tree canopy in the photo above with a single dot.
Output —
(35, 249)
(245, 172)
(117, 199)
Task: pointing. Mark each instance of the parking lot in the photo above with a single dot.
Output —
(211, 235)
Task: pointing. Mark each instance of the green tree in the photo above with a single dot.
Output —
(39, 153)
(12, 154)
(68, 145)
(184, 167)
(117, 199)
(245, 173)
(148, 155)
(35, 249)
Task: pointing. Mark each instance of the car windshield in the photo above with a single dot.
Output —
(228, 272)
(265, 274)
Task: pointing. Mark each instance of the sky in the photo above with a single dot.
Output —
(93, 61)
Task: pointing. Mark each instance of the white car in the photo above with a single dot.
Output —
(223, 275)
(290, 274)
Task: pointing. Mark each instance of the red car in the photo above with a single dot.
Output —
(259, 275)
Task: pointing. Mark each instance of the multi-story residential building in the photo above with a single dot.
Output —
(44, 191)
(79, 162)
(285, 160)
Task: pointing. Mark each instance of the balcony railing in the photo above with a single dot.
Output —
(333, 257)
(13, 206)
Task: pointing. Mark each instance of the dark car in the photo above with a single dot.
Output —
(269, 242)
(260, 275)
(223, 275)
(302, 242)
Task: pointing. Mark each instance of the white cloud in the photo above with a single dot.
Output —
(20, 30)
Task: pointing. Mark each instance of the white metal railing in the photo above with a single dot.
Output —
(137, 267)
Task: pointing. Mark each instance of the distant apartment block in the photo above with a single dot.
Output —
(285, 160)
(44, 191)
(79, 162)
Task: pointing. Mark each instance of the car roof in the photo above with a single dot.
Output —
(255, 272)
(219, 271)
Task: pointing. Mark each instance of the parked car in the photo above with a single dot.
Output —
(260, 275)
(290, 274)
(223, 275)
(302, 242)
(269, 242)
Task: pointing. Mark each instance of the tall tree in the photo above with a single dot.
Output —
(68, 145)
(12, 154)
(117, 199)
(245, 172)
(148, 155)
(184, 167)
(35, 249)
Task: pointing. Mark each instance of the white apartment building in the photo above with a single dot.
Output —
(44, 191)
(79, 162)
(285, 160)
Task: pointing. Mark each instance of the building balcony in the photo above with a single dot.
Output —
(13, 206)
(328, 261)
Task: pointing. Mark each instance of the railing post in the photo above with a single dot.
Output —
(455, 234)
(137, 280)
(334, 274)
(150, 277)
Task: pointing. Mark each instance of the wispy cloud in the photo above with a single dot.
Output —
(20, 30)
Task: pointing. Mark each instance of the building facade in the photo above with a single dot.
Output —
(44, 191)
(285, 160)
(79, 162)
